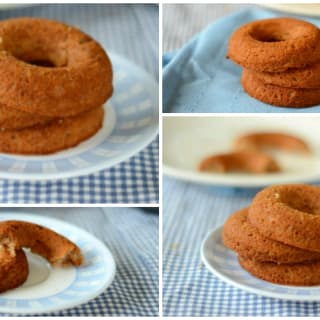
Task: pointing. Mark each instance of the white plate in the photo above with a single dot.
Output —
(187, 140)
(223, 263)
(131, 123)
(51, 289)
(308, 9)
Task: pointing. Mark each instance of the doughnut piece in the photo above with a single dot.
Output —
(242, 237)
(55, 136)
(262, 140)
(279, 96)
(54, 247)
(14, 268)
(301, 274)
(289, 214)
(242, 161)
(51, 69)
(307, 78)
(275, 45)
(15, 119)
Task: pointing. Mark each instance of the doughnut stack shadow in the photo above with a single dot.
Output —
(281, 61)
(54, 82)
(277, 238)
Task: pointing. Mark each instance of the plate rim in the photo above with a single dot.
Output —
(217, 181)
(283, 7)
(21, 216)
(248, 289)
(79, 172)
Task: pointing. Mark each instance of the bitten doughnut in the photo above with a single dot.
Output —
(14, 269)
(289, 214)
(307, 78)
(54, 136)
(51, 69)
(275, 45)
(242, 161)
(279, 96)
(261, 140)
(302, 274)
(57, 249)
(242, 237)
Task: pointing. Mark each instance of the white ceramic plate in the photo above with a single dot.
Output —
(187, 140)
(308, 9)
(223, 263)
(131, 123)
(51, 289)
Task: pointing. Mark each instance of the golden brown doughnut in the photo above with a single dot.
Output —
(307, 78)
(289, 214)
(299, 274)
(243, 161)
(261, 140)
(275, 45)
(279, 96)
(54, 247)
(242, 237)
(51, 69)
(57, 135)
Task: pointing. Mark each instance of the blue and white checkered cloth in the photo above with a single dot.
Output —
(135, 289)
(189, 289)
(130, 31)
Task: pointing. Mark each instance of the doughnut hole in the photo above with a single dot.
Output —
(34, 48)
(300, 201)
(275, 31)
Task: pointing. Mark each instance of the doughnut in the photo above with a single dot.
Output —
(307, 78)
(289, 214)
(15, 119)
(279, 96)
(57, 249)
(261, 140)
(301, 274)
(275, 45)
(57, 135)
(242, 237)
(51, 69)
(242, 161)
(14, 268)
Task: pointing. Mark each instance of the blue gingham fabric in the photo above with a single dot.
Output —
(132, 32)
(135, 289)
(199, 79)
(190, 211)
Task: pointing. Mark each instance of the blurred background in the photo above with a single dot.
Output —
(176, 31)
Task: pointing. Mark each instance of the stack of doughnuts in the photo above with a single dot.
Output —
(277, 238)
(281, 61)
(54, 81)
